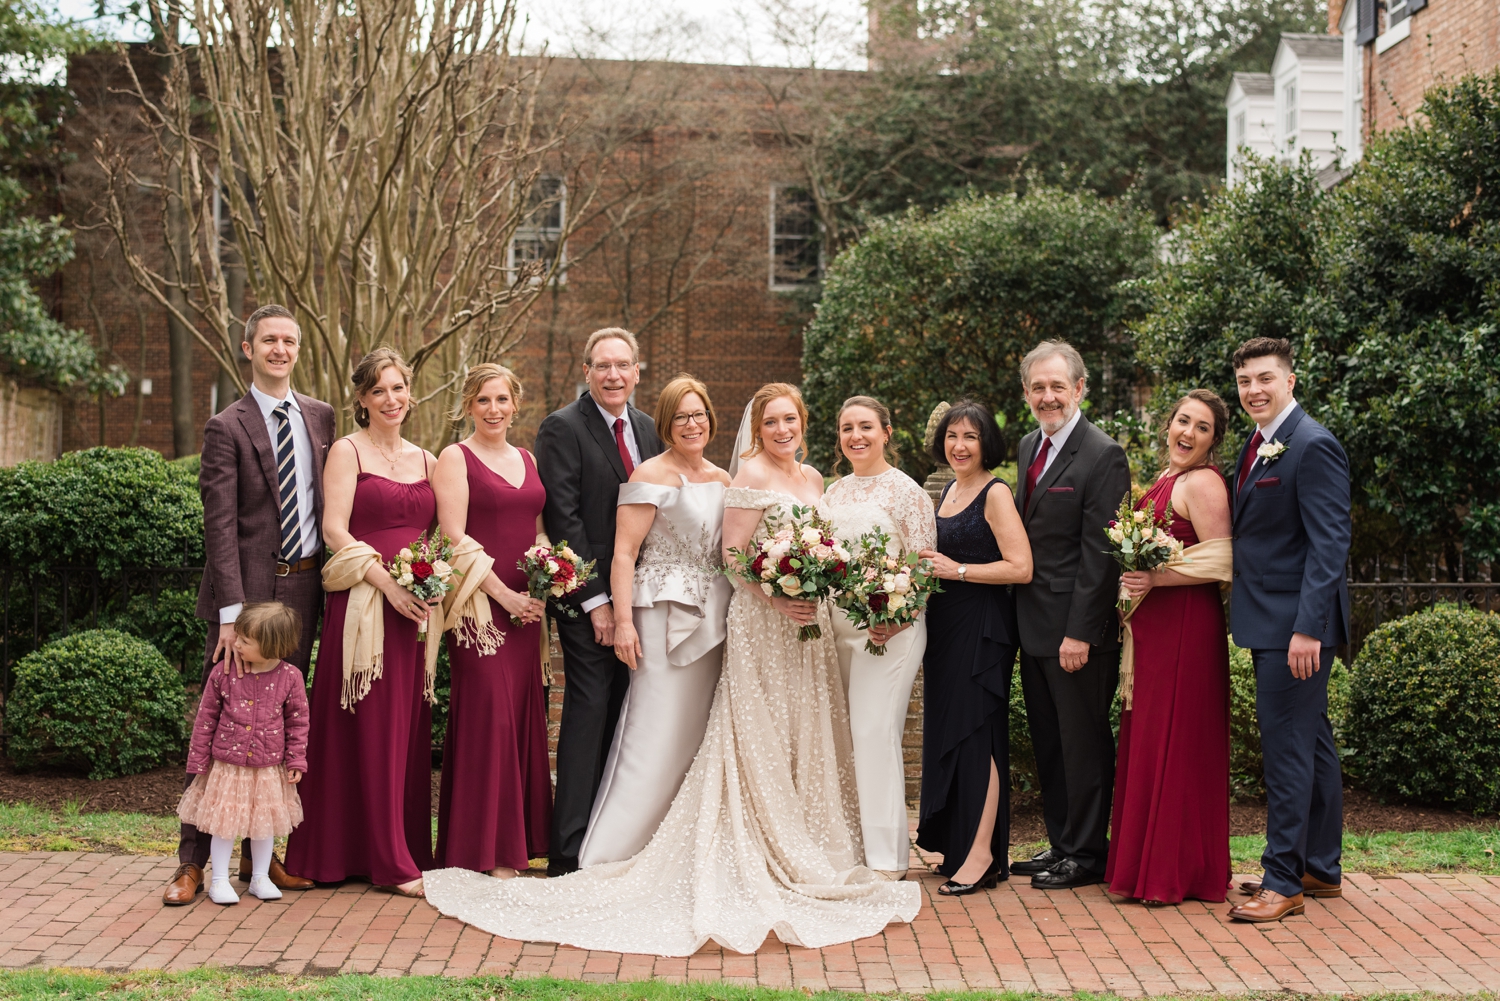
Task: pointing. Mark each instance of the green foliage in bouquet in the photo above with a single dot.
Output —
(103, 507)
(100, 701)
(1424, 709)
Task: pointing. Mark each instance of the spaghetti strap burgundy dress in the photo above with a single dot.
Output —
(495, 807)
(1171, 812)
(367, 795)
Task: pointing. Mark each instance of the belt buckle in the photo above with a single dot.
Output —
(283, 568)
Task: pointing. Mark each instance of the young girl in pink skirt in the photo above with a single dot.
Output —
(249, 748)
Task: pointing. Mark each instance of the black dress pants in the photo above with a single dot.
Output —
(1068, 714)
(596, 683)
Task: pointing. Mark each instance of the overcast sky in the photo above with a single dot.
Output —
(766, 32)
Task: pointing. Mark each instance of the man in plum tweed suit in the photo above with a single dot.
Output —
(262, 487)
(1290, 607)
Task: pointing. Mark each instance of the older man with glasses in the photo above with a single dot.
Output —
(584, 452)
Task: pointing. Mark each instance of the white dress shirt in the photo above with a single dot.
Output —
(1058, 440)
(635, 460)
(302, 458)
(1269, 431)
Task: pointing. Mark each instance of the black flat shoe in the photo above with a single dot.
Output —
(1040, 862)
(988, 881)
(1065, 875)
(561, 867)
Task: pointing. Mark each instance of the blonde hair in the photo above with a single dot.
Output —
(276, 628)
(474, 380)
(367, 374)
(606, 333)
(671, 398)
(882, 414)
(763, 396)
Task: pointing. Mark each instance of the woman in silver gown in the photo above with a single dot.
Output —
(763, 834)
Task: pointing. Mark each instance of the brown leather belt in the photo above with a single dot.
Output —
(283, 568)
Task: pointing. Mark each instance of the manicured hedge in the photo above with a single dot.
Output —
(99, 700)
(1424, 709)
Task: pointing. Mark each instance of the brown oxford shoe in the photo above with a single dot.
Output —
(185, 884)
(1311, 887)
(1268, 905)
(280, 878)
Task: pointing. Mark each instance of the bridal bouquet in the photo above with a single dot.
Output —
(424, 568)
(880, 589)
(554, 572)
(1139, 541)
(800, 560)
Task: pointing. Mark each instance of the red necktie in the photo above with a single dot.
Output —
(1034, 472)
(620, 443)
(1250, 458)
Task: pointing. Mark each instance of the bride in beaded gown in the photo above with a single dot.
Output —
(763, 835)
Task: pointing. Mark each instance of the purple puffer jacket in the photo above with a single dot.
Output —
(256, 721)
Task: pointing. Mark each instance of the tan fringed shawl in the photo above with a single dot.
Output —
(364, 624)
(467, 608)
(1211, 560)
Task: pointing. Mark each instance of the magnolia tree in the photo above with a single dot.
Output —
(367, 165)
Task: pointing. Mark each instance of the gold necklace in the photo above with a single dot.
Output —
(400, 449)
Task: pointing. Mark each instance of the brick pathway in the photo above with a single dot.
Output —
(1429, 933)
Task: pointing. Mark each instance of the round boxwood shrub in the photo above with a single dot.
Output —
(99, 700)
(1424, 709)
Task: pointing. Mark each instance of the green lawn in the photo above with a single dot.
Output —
(25, 828)
(212, 985)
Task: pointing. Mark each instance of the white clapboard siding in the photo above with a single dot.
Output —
(1309, 71)
(1251, 109)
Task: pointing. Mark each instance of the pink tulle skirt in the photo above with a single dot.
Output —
(233, 801)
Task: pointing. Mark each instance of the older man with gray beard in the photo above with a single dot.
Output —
(1072, 477)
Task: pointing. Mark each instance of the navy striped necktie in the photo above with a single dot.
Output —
(286, 479)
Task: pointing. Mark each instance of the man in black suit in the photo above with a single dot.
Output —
(583, 453)
(1072, 477)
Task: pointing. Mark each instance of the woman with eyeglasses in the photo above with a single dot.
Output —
(671, 604)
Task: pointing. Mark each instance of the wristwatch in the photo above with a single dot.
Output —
(963, 568)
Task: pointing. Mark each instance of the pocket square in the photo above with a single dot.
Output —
(1059, 490)
(1269, 481)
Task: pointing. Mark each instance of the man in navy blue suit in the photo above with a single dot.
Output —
(1290, 607)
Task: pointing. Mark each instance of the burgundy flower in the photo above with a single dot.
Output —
(878, 600)
(785, 566)
(421, 569)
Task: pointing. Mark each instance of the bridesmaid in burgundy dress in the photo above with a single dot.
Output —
(369, 806)
(495, 808)
(1171, 809)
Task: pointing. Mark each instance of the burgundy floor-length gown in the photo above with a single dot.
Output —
(1171, 810)
(495, 807)
(367, 795)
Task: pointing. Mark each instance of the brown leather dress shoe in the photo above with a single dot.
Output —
(280, 878)
(1311, 887)
(186, 882)
(1268, 905)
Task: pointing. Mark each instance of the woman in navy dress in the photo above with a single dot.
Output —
(972, 640)
(495, 807)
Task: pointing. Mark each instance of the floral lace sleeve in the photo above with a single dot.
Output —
(901, 497)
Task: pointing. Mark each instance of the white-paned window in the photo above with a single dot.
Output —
(1289, 101)
(539, 236)
(1352, 138)
(796, 249)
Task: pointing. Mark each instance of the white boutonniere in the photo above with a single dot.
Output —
(1271, 450)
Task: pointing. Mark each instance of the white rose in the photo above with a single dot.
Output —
(405, 580)
(442, 569)
(568, 554)
(888, 582)
(841, 553)
(822, 552)
(552, 566)
(811, 536)
(557, 590)
(778, 550)
(897, 602)
(1139, 517)
(768, 573)
(407, 555)
(770, 591)
(903, 583)
(790, 584)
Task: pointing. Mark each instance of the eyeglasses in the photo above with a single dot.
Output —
(606, 367)
(697, 417)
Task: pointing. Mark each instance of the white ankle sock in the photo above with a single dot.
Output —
(260, 856)
(218, 854)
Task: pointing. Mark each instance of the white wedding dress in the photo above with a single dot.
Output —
(878, 688)
(762, 837)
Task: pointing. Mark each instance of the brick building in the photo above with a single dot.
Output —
(714, 277)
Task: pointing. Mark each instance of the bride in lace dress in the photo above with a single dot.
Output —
(764, 833)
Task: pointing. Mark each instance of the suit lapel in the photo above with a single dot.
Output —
(1063, 461)
(1259, 469)
(1024, 454)
(254, 423)
(638, 425)
(602, 434)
